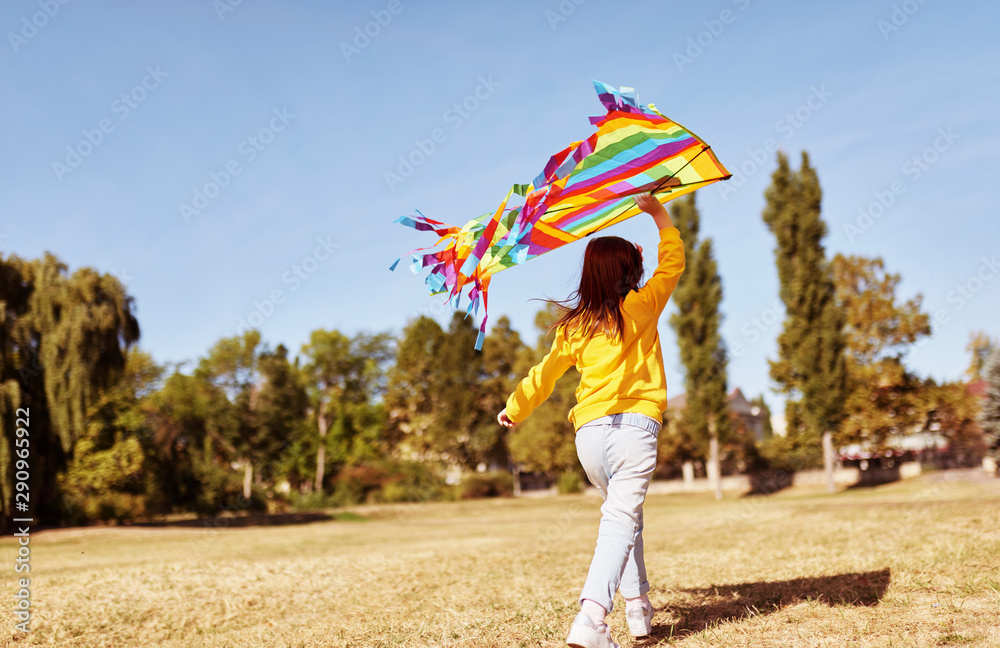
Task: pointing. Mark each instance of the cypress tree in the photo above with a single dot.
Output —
(989, 415)
(810, 368)
(696, 323)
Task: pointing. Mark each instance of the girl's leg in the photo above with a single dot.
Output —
(634, 582)
(625, 463)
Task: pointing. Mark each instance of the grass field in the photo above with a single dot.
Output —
(915, 563)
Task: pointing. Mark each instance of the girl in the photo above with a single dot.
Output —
(610, 336)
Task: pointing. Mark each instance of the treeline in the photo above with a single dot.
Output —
(97, 430)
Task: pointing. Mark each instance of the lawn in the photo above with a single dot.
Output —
(915, 563)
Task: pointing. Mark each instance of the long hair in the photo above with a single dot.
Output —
(612, 267)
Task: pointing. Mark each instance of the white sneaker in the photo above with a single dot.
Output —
(585, 634)
(640, 620)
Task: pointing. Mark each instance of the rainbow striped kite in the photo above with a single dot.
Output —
(584, 188)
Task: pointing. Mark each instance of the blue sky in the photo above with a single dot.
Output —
(117, 114)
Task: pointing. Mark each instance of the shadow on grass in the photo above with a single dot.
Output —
(242, 521)
(877, 476)
(701, 608)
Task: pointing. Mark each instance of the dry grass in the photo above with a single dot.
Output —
(908, 564)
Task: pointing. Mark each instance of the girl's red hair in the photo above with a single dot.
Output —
(612, 267)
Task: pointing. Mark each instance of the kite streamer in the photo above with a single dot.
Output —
(584, 188)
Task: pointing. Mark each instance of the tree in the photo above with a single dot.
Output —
(412, 393)
(63, 343)
(111, 474)
(545, 442)
(501, 350)
(981, 346)
(810, 367)
(989, 415)
(883, 398)
(280, 408)
(344, 376)
(231, 372)
(703, 354)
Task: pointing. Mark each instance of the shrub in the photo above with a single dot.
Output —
(413, 482)
(491, 484)
(570, 482)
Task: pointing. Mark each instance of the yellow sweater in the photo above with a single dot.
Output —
(615, 377)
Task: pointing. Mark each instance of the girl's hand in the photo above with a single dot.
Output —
(503, 420)
(648, 203)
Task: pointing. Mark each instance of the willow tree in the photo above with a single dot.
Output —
(63, 342)
(810, 367)
(703, 354)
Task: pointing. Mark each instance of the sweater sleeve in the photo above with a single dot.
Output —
(670, 265)
(540, 381)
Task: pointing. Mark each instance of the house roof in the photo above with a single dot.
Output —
(737, 402)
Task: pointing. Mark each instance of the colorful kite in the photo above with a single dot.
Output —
(583, 189)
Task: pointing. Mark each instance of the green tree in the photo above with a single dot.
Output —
(344, 377)
(501, 350)
(63, 343)
(703, 353)
(810, 368)
(232, 374)
(190, 462)
(111, 473)
(280, 409)
(412, 394)
(441, 393)
(883, 398)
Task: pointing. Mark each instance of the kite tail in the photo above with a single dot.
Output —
(445, 275)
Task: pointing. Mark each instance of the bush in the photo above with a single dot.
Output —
(413, 482)
(311, 501)
(570, 482)
(491, 484)
(359, 484)
(389, 482)
(787, 454)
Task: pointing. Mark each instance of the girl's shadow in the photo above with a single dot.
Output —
(700, 608)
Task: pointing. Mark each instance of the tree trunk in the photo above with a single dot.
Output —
(247, 480)
(687, 469)
(829, 457)
(714, 469)
(517, 480)
(321, 453)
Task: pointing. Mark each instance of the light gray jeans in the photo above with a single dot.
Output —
(618, 452)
